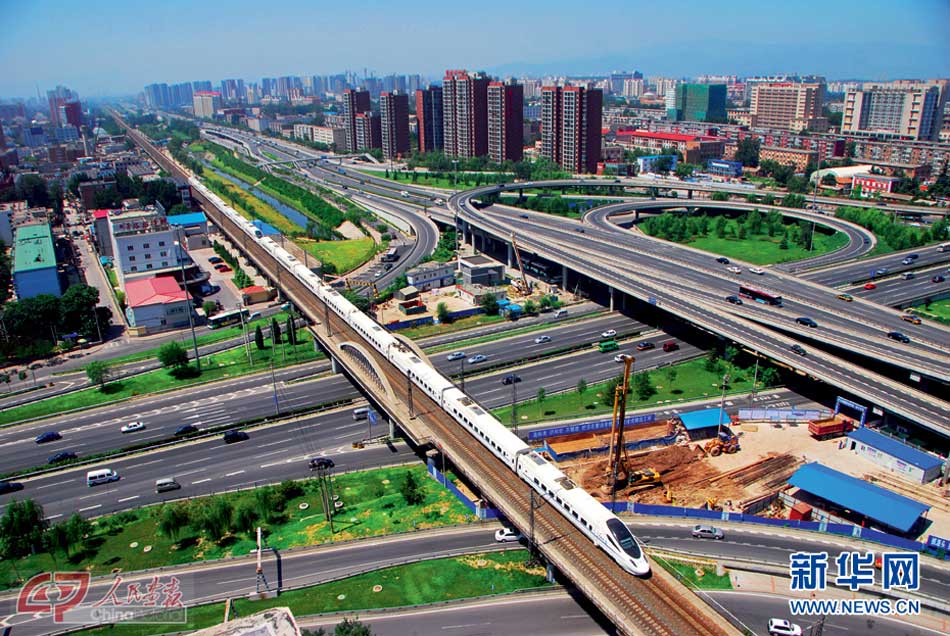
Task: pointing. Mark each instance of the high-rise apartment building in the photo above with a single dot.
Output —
(201, 85)
(367, 129)
(429, 117)
(792, 106)
(57, 97)
(206, 103)
(464, 108)
(699, 102)
(355, 102)
(905, 109)
(570, 127)
(394, 120)
(505, 113)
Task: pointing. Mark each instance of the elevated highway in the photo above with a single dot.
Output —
(656, 606)
(689, 284)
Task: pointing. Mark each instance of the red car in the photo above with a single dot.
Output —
(224, 269)
(870, 286)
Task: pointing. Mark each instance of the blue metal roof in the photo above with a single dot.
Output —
(265, 228)
(895, 448)
(706, 418)
(851, 493)
(192, 218)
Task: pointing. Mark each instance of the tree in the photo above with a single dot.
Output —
(21, 529)
(352, 627)
(291, 331)
(99, 372)
(489, 305)
(747, 151)
(643, 385)
(214, 519)
(245, 519)
(275, 332)
(684, 170)
(541, 395)
(530, 308)
(442, 313)
(259, 338)
(719, 196)
(33, 188)
(581, 386)
(209, 307)
(172, 520)
(671, 374)
(76, 530)
(173, 355)
(769, 376)
(829, 179)
(411, 490)
(359, 301)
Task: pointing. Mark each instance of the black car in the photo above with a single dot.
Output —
(9, 486)
(805, 320)
(524, 216)
(235, 436)
(938, 279)
(187, 429)
(723, 260)
(645, 346)
(61, 456)
(581, 230)
(511, 378)
(48, 436)
(898, 336)
(800, 350)
(321, 463)
(735, 300)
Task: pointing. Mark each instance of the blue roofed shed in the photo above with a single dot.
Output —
(265, 228)
(877, 504)
(896, 456)
(188, 220)
(701, 423)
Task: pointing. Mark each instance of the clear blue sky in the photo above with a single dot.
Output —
(108, 47)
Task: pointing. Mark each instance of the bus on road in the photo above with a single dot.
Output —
(390, 255)
(227, 318)
(760, 296)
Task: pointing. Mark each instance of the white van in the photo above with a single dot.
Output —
(165, 484)
(101, 476)
(560, 313)
(361, 413)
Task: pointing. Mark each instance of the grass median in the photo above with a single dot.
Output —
(470, 322)
(430, 581)
(763, 250)
(345, 256)
(938, 310)
(691, 381)
(217, 366)
(373, 504)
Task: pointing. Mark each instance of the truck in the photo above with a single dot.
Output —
(829, 427)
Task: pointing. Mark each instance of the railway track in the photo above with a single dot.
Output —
(651, 607)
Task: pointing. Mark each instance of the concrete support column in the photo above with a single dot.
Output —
(611, 299)
(510, 254)
(564, 277)
(334, 365)
(689, 194)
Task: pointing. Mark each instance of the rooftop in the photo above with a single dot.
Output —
(895, 448)
(477, 259)
(706, 418)
(157, 290)
(33, 248)
(192, 218)
(646, 134)
(851, 493)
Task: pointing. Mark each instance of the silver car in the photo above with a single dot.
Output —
(707, 532)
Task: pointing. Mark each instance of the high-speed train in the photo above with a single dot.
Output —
(588, 515)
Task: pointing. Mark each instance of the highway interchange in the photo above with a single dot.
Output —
(210, 466)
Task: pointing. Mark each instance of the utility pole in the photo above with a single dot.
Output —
(247, 347)
(191, 320)
(462, 381)
(514, 402)
(722, 401)
(273, 379)
(261, 579)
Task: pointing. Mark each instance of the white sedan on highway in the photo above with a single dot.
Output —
(734, 269)
(131, 427)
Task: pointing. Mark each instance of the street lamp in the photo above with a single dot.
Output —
(722, 401)
(462, 381)
(191, 321)
(515, 379)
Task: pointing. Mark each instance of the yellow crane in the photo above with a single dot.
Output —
(526, 286)
(616, 430)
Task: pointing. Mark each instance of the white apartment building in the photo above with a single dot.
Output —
(143, 244)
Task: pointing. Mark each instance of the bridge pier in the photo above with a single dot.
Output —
(510, 254)
(612, 290)
(564, 277)
(334, 365)
(689, 193)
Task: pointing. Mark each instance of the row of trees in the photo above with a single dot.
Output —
(892, 232)
(32, 326)
(552, 204)
(147, 192)
(444, 166)
(681, 229)
(290, 333)
(35, 190)
(25, 530)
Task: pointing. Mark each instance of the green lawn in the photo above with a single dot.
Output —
(687, 574)
(432, 581)
(257, 209)
(227, 364)
(692, 382)
(470, 322)
(763, 250)
(938, 310)
(373, 505)
(344, 255)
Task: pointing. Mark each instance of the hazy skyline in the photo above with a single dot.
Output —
(115, 47)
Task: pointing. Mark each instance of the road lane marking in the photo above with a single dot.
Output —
(239, 472)
(128, 498)
(90, 508)
(200, 481)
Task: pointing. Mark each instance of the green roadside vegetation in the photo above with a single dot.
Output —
(450, 181)
(938, 310)
(893, 235)
(555, 204)
(339, 256)
(469, 322)
(694, 575)
(375, 502)
(762, 239)
(226, 364)
(431, 581)
(690, 380)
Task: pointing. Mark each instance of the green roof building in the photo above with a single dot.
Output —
(700, 102)
(34, 262)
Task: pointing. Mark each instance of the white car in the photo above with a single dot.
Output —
(620, 357)
(734, 269)
(756, 270)
(475, 359)
(506, 535)
(455, 355)
(782, 627)
(131, 427)
(610, 333)
(542, 339)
